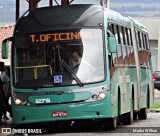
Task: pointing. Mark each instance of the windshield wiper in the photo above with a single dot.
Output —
(65, 65)
(69, 69)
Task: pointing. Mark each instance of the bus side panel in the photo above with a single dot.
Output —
(131, 83)
(117, 83)
(124, 79)
(151, 87)
(151, 84)
(113, 94)
(144, 87)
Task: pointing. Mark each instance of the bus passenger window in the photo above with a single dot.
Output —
(119, 55)
(118, 34)
(147, 42)
(113, 63)
(131, 56)
(139, 40)
(111, 28)
(128, 55)
(127, 37)
(130, 37)
(140, 57)
(121, 35)
(125, 57)
(114, 59)
(128, 44)
(147, 59)
(144, 43)
(124, 36)
(130, 49)
(143, 58)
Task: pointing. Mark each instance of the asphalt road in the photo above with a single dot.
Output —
(138, 126)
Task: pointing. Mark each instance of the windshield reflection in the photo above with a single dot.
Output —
(40, 64)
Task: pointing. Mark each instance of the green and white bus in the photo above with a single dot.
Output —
(79, 62)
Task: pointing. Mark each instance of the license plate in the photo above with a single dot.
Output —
(60, 114)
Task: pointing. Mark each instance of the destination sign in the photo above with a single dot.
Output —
(54, 37)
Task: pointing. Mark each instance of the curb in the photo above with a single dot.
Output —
(155, 110)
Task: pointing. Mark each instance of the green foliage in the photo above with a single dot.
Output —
(156, 105)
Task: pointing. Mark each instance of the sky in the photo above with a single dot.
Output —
(7, 7)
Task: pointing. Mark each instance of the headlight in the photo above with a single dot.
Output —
(94, 97)
(98, 96)
(18, 101)
(102, 95)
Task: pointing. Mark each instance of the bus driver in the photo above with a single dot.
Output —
(75, 60)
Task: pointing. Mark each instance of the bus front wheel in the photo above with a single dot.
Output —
(127, 118)
(110, 124)
(142, 114)
(135, 115)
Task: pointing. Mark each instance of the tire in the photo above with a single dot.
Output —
(127, 118)
(119, 120)
(135, 115)
(142, 114)
(110, 124)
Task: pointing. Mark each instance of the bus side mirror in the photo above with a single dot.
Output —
(112, 44)
(5, 45)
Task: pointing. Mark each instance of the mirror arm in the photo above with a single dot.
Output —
(110, 34)
(7, 39)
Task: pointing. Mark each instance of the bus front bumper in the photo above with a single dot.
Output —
(76, 111)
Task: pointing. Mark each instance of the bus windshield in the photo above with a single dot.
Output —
(59, 58)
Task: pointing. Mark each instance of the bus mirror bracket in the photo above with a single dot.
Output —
(5, 44)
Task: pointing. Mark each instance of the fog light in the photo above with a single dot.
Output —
(18, 101)
(28, 104)
(102, 95)
(94, 97)
(24, 103)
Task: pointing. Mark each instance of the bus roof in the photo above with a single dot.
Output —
(138, 25)
(117, 17)
(69, 16)
(60, 17)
